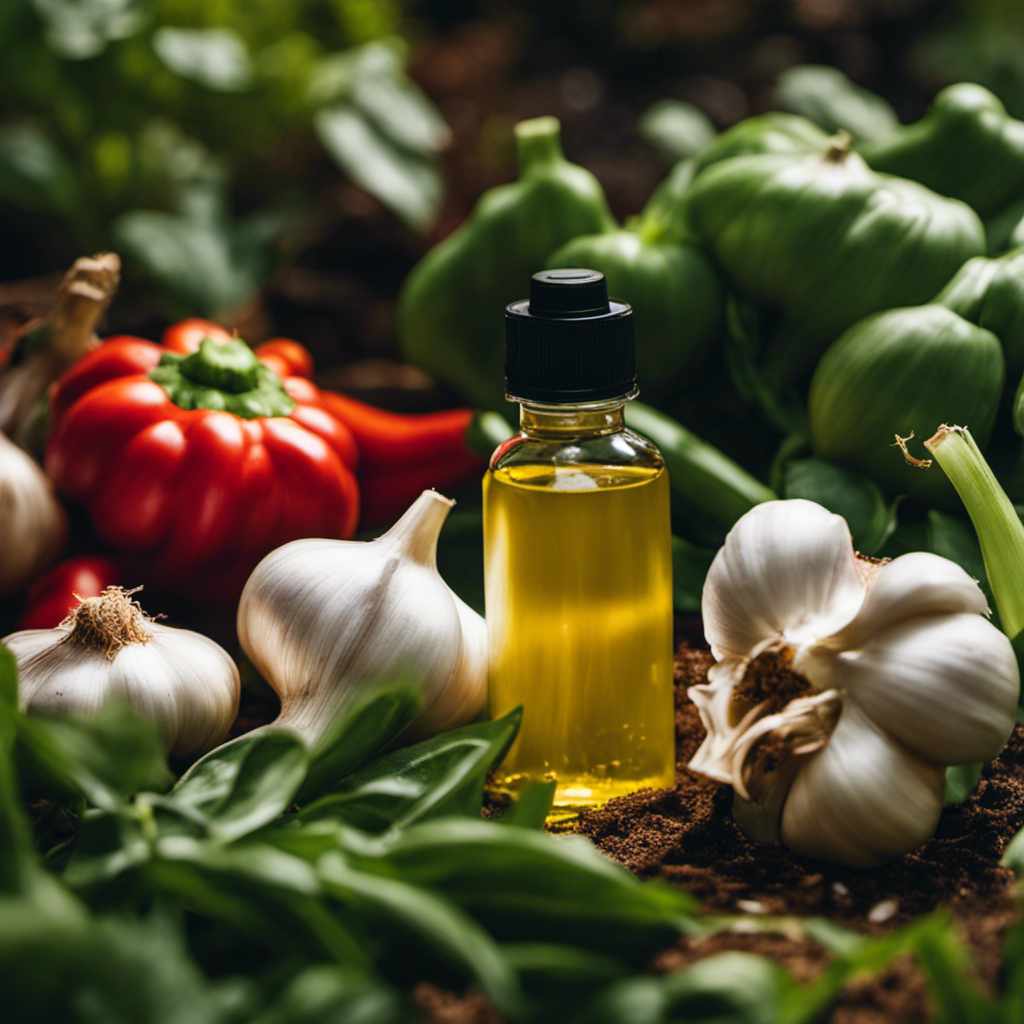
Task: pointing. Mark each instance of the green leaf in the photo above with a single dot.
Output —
(961, 780)
(79, 29)
(201, 264)
(246, 783)
(401, 112)
(34, 173)
(690, 564)
(442, 927)
(440, 776)
(334, 995)
(8, 698)
(406, 182)
(364, 727)
(827, 97)
(856, 498)
(216, 58)
(679, 129)
(106, 757)
(262, 891)
(71, 968)
(532, 808)
(529, 885)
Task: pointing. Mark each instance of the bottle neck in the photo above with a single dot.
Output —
(542, 419)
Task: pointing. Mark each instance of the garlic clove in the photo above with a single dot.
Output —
(919, 583)
(946, 686)
(183, 681)
(32, 521)
(787, 571)
(862, 798)
(324, 619)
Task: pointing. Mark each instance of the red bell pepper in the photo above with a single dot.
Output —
(199, 464)
(399, 454)
(63, 588)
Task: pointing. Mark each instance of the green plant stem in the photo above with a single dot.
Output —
(999, 529)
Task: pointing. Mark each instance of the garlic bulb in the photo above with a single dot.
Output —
(322, 619)
(32, 521)
(844, 685)
(107, 647)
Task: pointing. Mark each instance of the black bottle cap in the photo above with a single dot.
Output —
(568, 342)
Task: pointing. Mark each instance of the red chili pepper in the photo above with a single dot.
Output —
(402, 455)
(199, 464)
(62, 589)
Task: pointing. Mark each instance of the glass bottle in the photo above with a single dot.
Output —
(577, 556)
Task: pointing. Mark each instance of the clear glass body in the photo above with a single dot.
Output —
(578, 578)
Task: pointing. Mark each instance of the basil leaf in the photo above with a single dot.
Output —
(366, 725)
(440, 776)
(532, 807)
(441, 926)
(527, 884)
(324, 994)
(246, 783)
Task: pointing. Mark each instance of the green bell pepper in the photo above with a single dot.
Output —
(901, 372)
(966, 147)
(824, 241)
(673, 288)
(450, 308)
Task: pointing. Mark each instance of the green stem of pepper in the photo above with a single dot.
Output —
(538, 144)
(999, 529)
(223, 375)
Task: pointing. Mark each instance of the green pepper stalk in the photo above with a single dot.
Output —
(999, 529)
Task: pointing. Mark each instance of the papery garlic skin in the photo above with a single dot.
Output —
(184, 682)
(33, 525)
(919, 677)
(323, 620)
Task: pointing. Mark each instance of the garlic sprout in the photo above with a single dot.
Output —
(107, 647)
(322, 619)
(843, 685)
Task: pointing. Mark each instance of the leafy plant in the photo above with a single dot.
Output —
(126, 121)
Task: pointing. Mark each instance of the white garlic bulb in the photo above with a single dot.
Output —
(890, 672)
(32, 521)
(323, 619)
(183, 681)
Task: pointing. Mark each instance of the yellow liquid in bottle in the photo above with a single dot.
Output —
(579, 612)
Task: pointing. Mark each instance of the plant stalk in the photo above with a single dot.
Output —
(999, 528)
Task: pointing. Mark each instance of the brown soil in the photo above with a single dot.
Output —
(686, 836)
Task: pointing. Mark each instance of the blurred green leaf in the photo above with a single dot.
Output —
(34, 173)
(827, 97)
(679, 129)
(216, 58)
(525, 884)
(857, 499)
(322, 994)
(532, 807)
(79, 29)
(106, 757)
(246, 783)
(440, 776)
(690, 564)
(444, 929)
(961, 780)
(205, 262)
(78, 970)
(405, 181)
